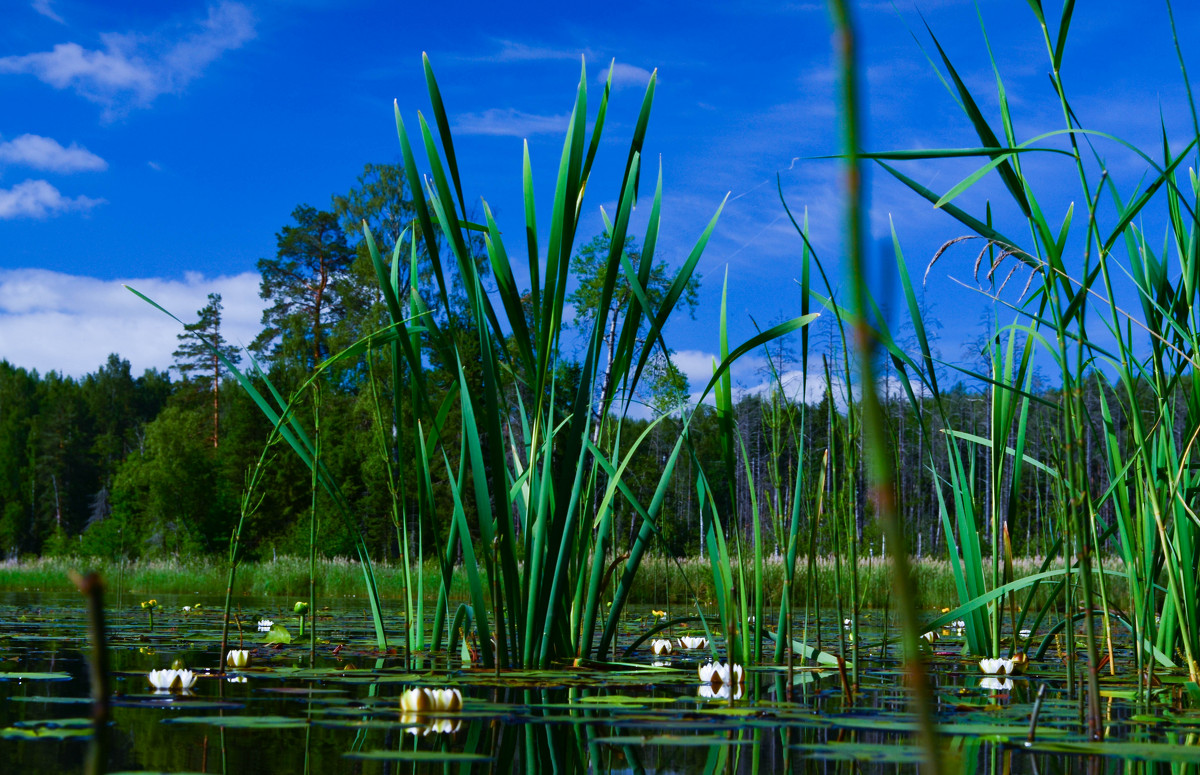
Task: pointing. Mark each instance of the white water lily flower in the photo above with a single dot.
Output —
(930, 636)
(707, 692)
(996, 684)
(445, 700)
(846, 623)
(688, 642)
(238, 658)
(660, 646)
(419, 725)
(415, 701)
(718, 673)
(187, 609)
(171, 680)
(420, 700)
(997, 666)
(264, 625)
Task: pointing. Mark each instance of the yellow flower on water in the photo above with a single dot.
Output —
(659, 614)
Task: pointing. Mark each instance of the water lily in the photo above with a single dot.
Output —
(419, 725)
(171, 680)
(659, 614)
(187, 609)
(419, 700)
(707, 692)
(717, 673)
(997, 666)
(996, 684)
(930, 636)
(265, 625)
(660, 646)
(689, 642)
(149, 606)
(446, 700)
(414, 701)
(301, 609)
(238, 658)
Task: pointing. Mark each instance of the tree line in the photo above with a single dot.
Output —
(114, 465)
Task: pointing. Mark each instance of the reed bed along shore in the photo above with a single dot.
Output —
(662, 579)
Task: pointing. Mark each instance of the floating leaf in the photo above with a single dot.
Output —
(35, 676)
(51, 729)
(277, 634)
(418, 756)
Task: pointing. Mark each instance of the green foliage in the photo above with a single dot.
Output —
(306, 284)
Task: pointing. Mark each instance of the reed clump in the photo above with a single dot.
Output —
(661, 580)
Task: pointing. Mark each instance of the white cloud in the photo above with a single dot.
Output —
(133, 68)
(625, 75)
(70, 323)
(45, 153)
(512, 51)
(43, 7)
(38, 199)
(509, 122)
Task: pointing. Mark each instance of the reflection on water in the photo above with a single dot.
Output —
(343, 714)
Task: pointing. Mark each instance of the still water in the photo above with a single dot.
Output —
(642, 714)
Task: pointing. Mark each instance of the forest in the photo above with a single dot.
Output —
(115, 465)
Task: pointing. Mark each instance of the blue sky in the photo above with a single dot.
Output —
(166, 144)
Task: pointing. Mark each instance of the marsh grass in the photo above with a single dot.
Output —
(660, 580)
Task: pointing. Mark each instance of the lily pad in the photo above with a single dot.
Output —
(277, 634)
(418, 756)
(243, 722)
(35, 676)
(51, 729)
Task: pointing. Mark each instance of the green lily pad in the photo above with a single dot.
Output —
(35, 676)
(277, 634)
(51, 729)
(418, 756)
(683, 741)
(243, 722)
(891, 753)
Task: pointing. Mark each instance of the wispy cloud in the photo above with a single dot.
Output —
(625, 75)
(133, 68)
(512, 51)
(70, 323)
(44, 8)
(39, 199)
(45, 153)
(509, 122)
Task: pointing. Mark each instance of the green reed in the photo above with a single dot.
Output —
(1072, 311)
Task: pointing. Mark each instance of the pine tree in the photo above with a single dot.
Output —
(197, 358)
